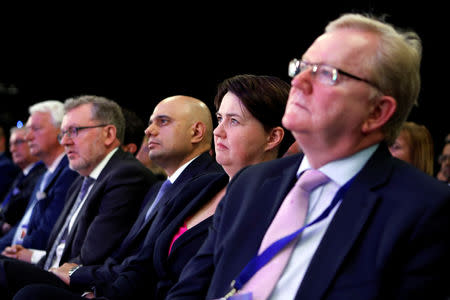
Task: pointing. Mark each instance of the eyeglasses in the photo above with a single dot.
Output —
(443, 158)
(72, 132)
(324, 73)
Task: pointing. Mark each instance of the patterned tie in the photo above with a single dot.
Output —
(289, 218)
(65, 228)
(164, 187)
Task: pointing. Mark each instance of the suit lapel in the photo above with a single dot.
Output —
(348, 223)
(92, 195)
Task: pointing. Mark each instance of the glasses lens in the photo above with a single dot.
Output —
(327, 74)
(293, 67)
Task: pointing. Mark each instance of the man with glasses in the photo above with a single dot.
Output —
(373, 227)
(15, 203)
(102, 203)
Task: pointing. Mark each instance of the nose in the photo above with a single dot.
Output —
(219, 131)
(303, 81)
(151, 130)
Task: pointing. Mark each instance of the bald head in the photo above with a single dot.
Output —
(180, 128)
(192, 110)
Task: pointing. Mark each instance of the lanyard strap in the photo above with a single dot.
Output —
(261, 260)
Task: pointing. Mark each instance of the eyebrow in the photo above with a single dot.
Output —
(229, 115)
(158, 117)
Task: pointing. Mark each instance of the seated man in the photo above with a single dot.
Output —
(13, 206)
(8, 170)
(96, 218)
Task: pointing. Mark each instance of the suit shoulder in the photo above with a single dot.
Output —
(272, 167)
(127, 165)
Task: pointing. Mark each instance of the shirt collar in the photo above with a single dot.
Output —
(342, 170)
(55, 163)
(180, 170)
(99, 168)
(28, 168)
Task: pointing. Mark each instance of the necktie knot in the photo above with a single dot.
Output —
(311, 178)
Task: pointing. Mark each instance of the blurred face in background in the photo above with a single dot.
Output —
(42, 135)
(402, 147)
(18, 146)
(444, 160)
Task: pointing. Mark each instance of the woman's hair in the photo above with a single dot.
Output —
(421, 146)
(265, 97)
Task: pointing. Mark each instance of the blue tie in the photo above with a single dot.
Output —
(164, 187)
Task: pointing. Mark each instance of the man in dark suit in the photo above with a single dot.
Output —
(180, 136)
(48, 198)
(91, 226)
(14, 204)
(385, 228)
(8, 170)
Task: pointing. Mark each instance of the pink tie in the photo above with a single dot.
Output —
(289, 218)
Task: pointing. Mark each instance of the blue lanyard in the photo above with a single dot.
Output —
(261, 260)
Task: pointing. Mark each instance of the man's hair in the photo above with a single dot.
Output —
(103, 110)
(395, 66)
(134, 128)
(54, 107)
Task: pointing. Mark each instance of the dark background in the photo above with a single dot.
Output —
(138, 55)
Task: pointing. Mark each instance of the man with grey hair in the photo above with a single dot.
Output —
(47, 201)
(101, 205)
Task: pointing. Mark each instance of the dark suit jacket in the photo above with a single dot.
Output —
(108, 212)
(389, 239)
(167, 268)
(20, 195)
(8, 171)
(46, 210)
(115, 278)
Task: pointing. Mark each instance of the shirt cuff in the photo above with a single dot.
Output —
(37, 255)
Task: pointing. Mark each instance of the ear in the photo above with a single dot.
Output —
(274, 138)
(131, 147)
(198, 132)
(110, 134)
(380, 113)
